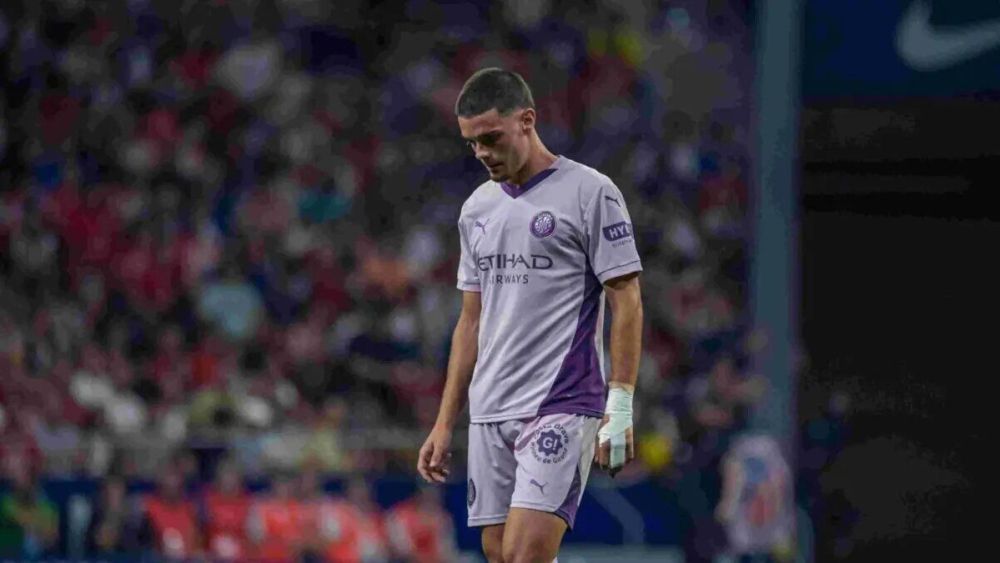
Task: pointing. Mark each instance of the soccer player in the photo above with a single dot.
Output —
(542, 243)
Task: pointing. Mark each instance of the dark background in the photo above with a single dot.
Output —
(899, 274)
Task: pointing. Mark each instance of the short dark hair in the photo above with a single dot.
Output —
(491, 88)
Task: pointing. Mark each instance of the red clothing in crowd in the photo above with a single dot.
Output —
(174, 525)
(194, 67)
(90, 230)
(226, 523)
(351, 535)
(59, 116)
(18, 448)
(281, 527)
(421, 534)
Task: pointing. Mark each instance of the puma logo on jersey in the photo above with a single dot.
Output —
(482, 225)
(613, 200)
(540, 486)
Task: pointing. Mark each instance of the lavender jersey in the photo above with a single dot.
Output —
(539, 254)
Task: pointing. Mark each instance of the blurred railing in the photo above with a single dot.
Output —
(259, 452)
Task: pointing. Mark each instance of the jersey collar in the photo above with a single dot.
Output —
(516, 191)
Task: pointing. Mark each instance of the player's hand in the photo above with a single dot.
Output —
(615, 444)
(435, 455)
(602, 453)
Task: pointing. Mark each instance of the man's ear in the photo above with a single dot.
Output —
(528, 119)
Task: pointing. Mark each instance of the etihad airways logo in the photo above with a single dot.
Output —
(514, 261)
(507, 267)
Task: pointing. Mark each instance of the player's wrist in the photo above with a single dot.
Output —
(619, 401)
(446, 426)
(621, 385)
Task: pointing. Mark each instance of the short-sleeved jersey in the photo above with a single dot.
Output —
(539, 254)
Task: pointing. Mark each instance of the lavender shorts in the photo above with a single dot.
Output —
(541, 464)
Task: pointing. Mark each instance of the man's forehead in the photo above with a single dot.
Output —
(482, 123)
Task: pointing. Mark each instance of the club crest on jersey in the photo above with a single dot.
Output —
(471, 494)
(550, 443)
(543, 224)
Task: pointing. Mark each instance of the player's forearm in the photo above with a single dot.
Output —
(462, 360)
(626, 338)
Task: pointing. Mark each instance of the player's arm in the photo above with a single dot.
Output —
(433, 458)
(625, 300)
(616, 445)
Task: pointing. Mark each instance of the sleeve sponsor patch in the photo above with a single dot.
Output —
(617, 231)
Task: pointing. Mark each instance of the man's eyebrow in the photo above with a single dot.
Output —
(493, 133)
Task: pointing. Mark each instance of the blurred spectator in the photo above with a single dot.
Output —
(225, 507)
(169, 523)
(111, 521)
(352, 528)
(717, 408)
(722, 202)
(58, 439)
(279, 523)
(325, 445)
(657, 445)
(822, 439)
(29, 522)
(720, 401)
(232, 304)
(756, 504)
(420, 529)
(18, 448)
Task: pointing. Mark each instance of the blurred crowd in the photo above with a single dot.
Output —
(297, 519)
(228, 227)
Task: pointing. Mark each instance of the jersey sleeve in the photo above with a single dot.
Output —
(610, 238)
(468, 273)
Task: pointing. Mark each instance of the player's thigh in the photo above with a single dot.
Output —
(554, 456)
(532, 536)
(492, 537)
(491, 471)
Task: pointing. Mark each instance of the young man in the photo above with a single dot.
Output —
(542, 242)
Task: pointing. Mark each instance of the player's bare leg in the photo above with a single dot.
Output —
(532, 536)
(493, 543)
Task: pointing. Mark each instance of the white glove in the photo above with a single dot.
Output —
(619, 413)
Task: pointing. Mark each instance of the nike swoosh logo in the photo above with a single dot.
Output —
(926, 48)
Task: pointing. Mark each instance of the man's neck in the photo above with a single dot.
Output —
(540, 159)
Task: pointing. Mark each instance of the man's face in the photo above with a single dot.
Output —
(499, 142)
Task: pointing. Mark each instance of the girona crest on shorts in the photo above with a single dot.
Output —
(549, 445)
